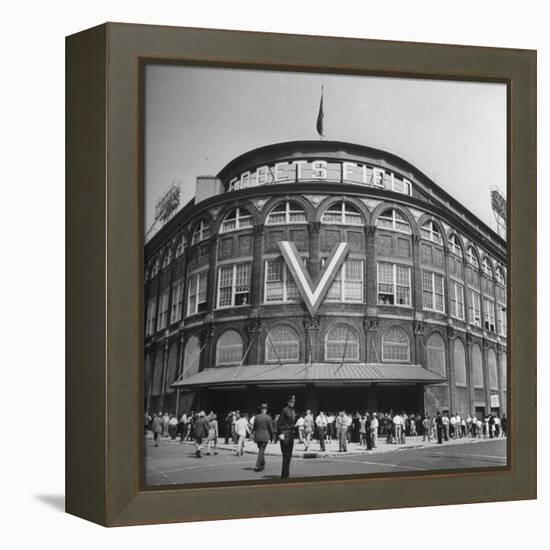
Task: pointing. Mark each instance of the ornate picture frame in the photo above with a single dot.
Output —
(105, 273)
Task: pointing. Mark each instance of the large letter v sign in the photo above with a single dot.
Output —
(313, 296)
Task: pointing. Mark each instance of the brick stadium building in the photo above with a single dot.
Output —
(414, 319)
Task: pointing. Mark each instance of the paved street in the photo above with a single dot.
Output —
(175, 463)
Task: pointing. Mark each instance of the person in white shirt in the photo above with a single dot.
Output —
(300, 424)
(321, 422)
(242, 429)
(374, 427)
(452, 423)
(398, 427)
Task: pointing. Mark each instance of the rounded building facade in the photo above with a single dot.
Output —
(409, 315)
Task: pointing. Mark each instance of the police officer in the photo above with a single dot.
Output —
(439, 427)
(285, 432)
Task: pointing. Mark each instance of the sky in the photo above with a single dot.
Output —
(197, 119)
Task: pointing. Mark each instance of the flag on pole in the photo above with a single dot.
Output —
(320, 116)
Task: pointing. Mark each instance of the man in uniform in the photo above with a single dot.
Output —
(262, 431)
(285, 432)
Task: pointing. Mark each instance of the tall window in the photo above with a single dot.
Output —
(191, 356)
(341, 343)
(282, 343)
(155, 269)
(180, 248)
(433, 296)
(499, 276)
(492, 368)
(163, 310)
(151, 315)
(239, 218)
(234, 285)
(435, 355)
(347, 286)
(502, 320)
(393, 220)
(394, 284)
(477, 366)
(459, 362)
(229, 348)
(430, 232)
(454, 246)
(487, 269)
(286, 212)
(177, 301)
(396, 346)
(489, 310)
(457, 300)
(201, 232)
(167, 258)
(196, 298)
(474, 308)
(472, 257)
(279, 283)
(342, 213)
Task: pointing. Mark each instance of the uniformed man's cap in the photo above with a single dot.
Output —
(263, 406)
(291, 397)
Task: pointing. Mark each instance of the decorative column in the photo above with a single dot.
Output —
(148, 377)
(256, 268)
(416, 277)
(212, 245)
(469, 374)
(164, 368)
(253, 329)
(486, 383)
(371, 271)
(313, 348)
(206, 334)
(314, 264)
(370, 326)
(420, 357)
(451, 368)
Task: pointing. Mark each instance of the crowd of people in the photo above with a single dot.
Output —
(364, 428)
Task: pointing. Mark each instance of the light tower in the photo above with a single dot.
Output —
(498, 203)
(166, 206)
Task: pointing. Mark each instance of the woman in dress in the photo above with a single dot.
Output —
(212, 433)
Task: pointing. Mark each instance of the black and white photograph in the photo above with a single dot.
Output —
(325, 275)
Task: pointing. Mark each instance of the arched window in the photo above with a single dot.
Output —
(499, 276)
(167, 258)
(430, 232)
(342, 213)
(238, 218)
(180, 249)
(341, 343)
(286, 212)
(201, 232)
(396, 346)
(281, 344)
(229, 348)
(477, 366)
(460, 363)
(472, 257)
(435, 355)
(487, 269)
(393, 220)
(492, 368)
(454, 246)
(191, 356)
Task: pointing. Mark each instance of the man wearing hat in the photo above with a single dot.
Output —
(200, 431)
(262, 431)
(285, 432)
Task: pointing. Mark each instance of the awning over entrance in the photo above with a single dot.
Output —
(315, 373)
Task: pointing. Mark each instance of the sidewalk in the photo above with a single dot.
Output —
(414, 442)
